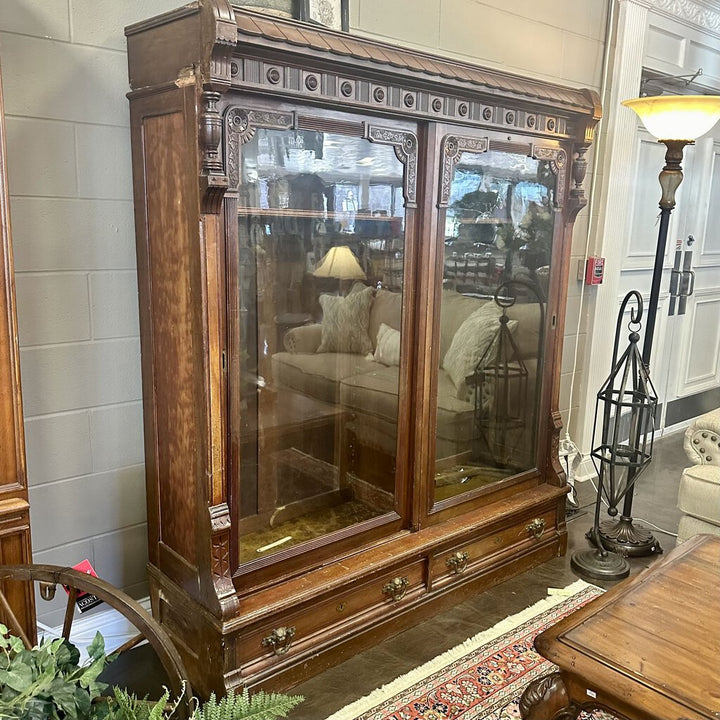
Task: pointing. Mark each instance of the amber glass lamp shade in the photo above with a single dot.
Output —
(339, 262)
(677, 117)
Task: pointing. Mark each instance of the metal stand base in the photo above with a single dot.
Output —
(600, 565)
(621, 536)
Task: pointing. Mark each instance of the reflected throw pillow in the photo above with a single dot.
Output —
(471, 342)
(345, 322)
(387, 351)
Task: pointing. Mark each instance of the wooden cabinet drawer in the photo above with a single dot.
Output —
(452, 564)
(290, 631)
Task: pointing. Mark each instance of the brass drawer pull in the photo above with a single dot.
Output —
(396, 588)
(279, 640)
(457, 562)
(536, 527)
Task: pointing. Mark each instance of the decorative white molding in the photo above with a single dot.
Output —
(703, 15)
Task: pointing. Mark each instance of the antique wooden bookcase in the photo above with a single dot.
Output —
(353, 265)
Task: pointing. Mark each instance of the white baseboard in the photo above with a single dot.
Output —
(586, 470)
(115, 628)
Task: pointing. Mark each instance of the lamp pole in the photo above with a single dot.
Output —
(622, 535)
(675, 121)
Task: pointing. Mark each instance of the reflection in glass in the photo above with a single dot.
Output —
(320, 271)
(498, 241)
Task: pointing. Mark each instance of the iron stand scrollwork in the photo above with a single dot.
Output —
(626, 406)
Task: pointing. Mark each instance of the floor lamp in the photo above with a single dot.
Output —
(676, 121)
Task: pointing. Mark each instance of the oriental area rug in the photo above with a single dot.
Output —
(481, 679)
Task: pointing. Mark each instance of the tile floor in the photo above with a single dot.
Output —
(655, 500)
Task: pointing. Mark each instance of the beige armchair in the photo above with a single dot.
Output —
(699, 494)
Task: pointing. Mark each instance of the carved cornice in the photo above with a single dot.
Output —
(220, 33)
(452, 149)
(405, 145)
(344, 49)
(320, 65)
(336, 87)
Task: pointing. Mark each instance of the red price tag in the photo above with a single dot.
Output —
(84, 600)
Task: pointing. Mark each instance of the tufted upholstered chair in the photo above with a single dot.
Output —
(699, 495)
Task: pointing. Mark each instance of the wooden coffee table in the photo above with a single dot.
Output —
(648, 648)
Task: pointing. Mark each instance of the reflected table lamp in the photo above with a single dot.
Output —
(340, 263)
(676, 121)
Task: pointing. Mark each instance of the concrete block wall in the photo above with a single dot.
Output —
(65, 79)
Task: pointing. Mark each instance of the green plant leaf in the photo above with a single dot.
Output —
(63, 695)
(18, 678)
(96, 649)
(16, 644)
(67, 656)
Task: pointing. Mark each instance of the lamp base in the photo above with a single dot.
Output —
(600, 565)
(628, 539)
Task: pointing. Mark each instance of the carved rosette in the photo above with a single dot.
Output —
(405, 145)
(220, 526)
(557, 160)
(453, 147)
(240, 127)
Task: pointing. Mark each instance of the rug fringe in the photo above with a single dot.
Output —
(350, 712)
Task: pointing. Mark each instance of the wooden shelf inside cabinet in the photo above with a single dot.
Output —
(300, 429)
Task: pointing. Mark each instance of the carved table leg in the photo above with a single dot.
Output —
(547, 699)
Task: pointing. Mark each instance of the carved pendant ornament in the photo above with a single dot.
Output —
(240, 127)
(557, 161)
(405, 145)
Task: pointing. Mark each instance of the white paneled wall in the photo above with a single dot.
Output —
(65, 78)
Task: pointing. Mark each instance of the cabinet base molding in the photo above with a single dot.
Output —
(330, 620)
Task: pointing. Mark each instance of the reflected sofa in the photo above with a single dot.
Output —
(365, 384)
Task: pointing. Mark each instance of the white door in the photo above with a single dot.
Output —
(692, 383)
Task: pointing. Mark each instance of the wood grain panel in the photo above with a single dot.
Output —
(650, 646)
(175, 337)
(15, 550)
(15, 545)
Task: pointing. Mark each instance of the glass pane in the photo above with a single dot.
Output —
(498, 238)
(321, 237)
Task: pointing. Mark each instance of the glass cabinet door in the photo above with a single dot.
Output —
(498, 237)
(321, 243)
